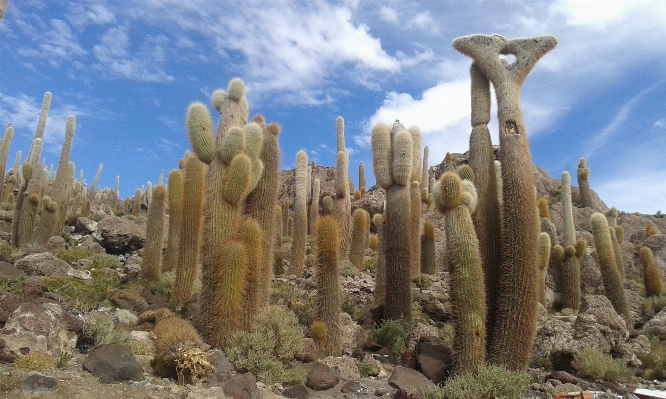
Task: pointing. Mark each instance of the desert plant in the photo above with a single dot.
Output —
(151, 267)
(300, 225)
(654, 361)
(490, 382)
(583, 173)
(37, 361)
(590, 363)
(392, 334)
(328, 287)
(651, 229)
(270, 347)
(175, 181)
(342, 200)
(100, 329)
(380, 270)
(314, 206)
(570, 280)
(654, 282)
(359, 235)
(428, 265)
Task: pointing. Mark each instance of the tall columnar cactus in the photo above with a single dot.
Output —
(544, 208)
(415, 207)
(63, 205)
(48, 220)
(148, 194)
(570, 278)
(425, 176)
(261, 205)
(654, 282)
(175, 181)
(428, 264)
(609, 273)
(392, 161)
(611, 215)
(583, 173)
(34, 153)
(380, 270)
(250, 233)
(617, 251)
(151, 267)
(299, 241)
(359, 233)
(486, 219)
(4, 151)
(342, 209)
(136, 207)
(328, 286)
(361, 178)
(227, 300)
(285, 215)
(234, 171)
(619, 234)
(651, 229)
(457, 202)
(91, 191)
(314, 206)
(30, 204)
(514, 327)
(116, 194)
(327, 205)
(544, 260)
(189, 226)
(278, 226)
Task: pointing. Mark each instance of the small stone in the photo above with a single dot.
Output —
(381, 391)
(299, 391)
(39, 383)
(351, 386)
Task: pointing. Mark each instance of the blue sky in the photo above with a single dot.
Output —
(128, 70)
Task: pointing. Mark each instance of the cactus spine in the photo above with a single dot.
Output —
(428, 265)
(175, 181)
(189, 226)
(486, 219)
(299, 241)
(151, 267)
(328, 287)
(583, 173)
(380, 270)
(570, 279)
(515, 323)
(227, 303)
(261, 206)
(609, 273)
(359, 234)
(342, 208)
(415, 205)
(392, 161)
(457, 201)
(654, 282)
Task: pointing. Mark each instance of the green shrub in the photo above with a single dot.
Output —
(393, 334)
(100, 329)
(654, 361)
(347, 269)
(103, 260)
(164, 285)
(365, 368)
(349, 306)
(6, 250)
(370, 264)
(269, 349)
(63, 360)
(13, 286)
(422, 281)
(653, 304)
(301, 302)
(89, 294)
(96, 217)
(447, 334)
(590, 363)
(491, 382)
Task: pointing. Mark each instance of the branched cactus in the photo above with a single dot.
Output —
(328, 286)
(151, 267)
(189, 240)
(654, 282)
(514, 328)
(175, 181)
(278, 226)
(611, 277)
(392, 154)
(299, 241)
(583, 174)
(457, 202)
(428, 264)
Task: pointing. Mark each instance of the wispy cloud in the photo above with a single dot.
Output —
(56, 44)
(651, 184)
(389, 14)
(81, 15)
(423, 22)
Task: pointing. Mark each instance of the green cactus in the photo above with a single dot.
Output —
(415, 206)
(151, 267)
(328, 286)
(285, 216)
(299, 240)
(91, 191)
(654, 282)
(486, 219)
(4, 151)
(36, 147)
(327, 204)
(611, 277)
(85, 209)
(583, 174)
(26, 220)
(380, 270)
(428, 265)
(457, 202)
(359, 233)
(314, 206)
(227, 301)
(619, 234)
(136, 207)
(617, 251)
(611, 215)
(250, 233)
(544, 259)
(392, 154)
(278, 226)
(570, 277)
(261, 204)
(544, 208)
(342, 203)
(361, 177)
(514, 328)
(425, 176)
(189, 226)
(175, 181)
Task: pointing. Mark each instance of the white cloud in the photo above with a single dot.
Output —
(93, 14)
(651, 184)
(23, 112)
(114, 56)
(56, 44)
(389, 14)
(660, 124)
(423, 22)
(596, 15)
